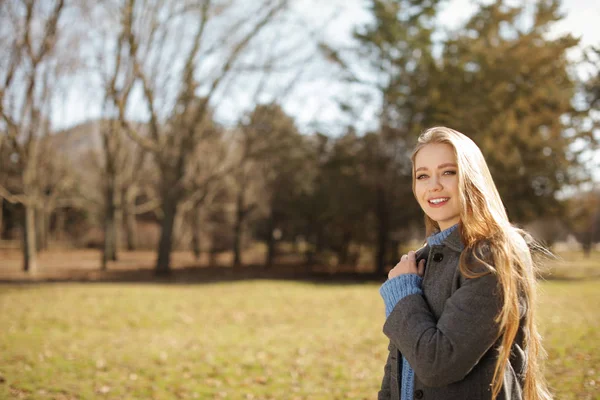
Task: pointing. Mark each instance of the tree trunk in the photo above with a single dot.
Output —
(40, 229)
(344, 250)
(1, 217)
(319, 242)
(212, 256)
(29, 247)
(315, 243)
(586, 244)
(382, 231)
(271, 243)
(178, 236)
(310, 250)
(47, 216)
(116, 235)
(108, 250)
(59, 228)
(130, 230)
(394, 255)
(163, 261)
(195, 226)
(111, 225)
(238, 229)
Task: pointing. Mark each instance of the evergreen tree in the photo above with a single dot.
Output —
(280, 156)
(507, 86)
(398, 45)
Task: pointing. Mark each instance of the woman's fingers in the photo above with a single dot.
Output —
(407, 265)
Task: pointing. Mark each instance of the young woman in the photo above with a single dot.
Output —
(460, 311)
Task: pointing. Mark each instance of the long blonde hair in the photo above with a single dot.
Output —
(484, 222)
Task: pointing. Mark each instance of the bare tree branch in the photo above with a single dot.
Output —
(13, 198)
(147, 206)
(147, 89)
(238, 49)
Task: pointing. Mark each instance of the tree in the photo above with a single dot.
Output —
(174, 135)
(398, 45)
(338, 208)
(280, 153)
(122, 160)
(583, 218)
(245, 182)
(590, 109)
(57, 182)
(507, 86)
(30, 69)
(592, 85)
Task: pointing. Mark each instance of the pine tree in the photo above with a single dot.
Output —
(398, 45)
(507, 86)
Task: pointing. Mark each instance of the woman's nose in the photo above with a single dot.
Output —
(436, 184)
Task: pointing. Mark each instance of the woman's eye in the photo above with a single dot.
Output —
(449, 172)
(422, 176)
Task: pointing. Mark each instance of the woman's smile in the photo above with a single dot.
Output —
(438, 201)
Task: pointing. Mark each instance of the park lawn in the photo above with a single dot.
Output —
(240, 340)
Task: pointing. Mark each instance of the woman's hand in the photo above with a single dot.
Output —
(408, 265)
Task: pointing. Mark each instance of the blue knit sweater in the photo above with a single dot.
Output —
(393, 290)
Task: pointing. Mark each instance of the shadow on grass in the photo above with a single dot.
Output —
(190, 275)
(200, 275)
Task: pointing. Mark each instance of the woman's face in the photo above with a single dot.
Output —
(436, 183)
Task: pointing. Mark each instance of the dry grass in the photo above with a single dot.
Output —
(255, 339)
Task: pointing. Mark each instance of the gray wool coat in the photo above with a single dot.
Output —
(448, 334)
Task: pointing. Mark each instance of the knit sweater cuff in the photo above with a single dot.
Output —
(395, 289)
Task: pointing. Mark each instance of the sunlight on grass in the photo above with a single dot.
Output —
(241, 340)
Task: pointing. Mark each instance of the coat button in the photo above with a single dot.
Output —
(437, 257)
(418, 394)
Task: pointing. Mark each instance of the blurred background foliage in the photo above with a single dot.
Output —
(159, 170)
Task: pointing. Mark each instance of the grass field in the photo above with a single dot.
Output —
(259, 339)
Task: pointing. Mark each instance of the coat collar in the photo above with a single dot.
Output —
(454, 241)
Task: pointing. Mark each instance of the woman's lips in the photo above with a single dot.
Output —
(438, 201)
